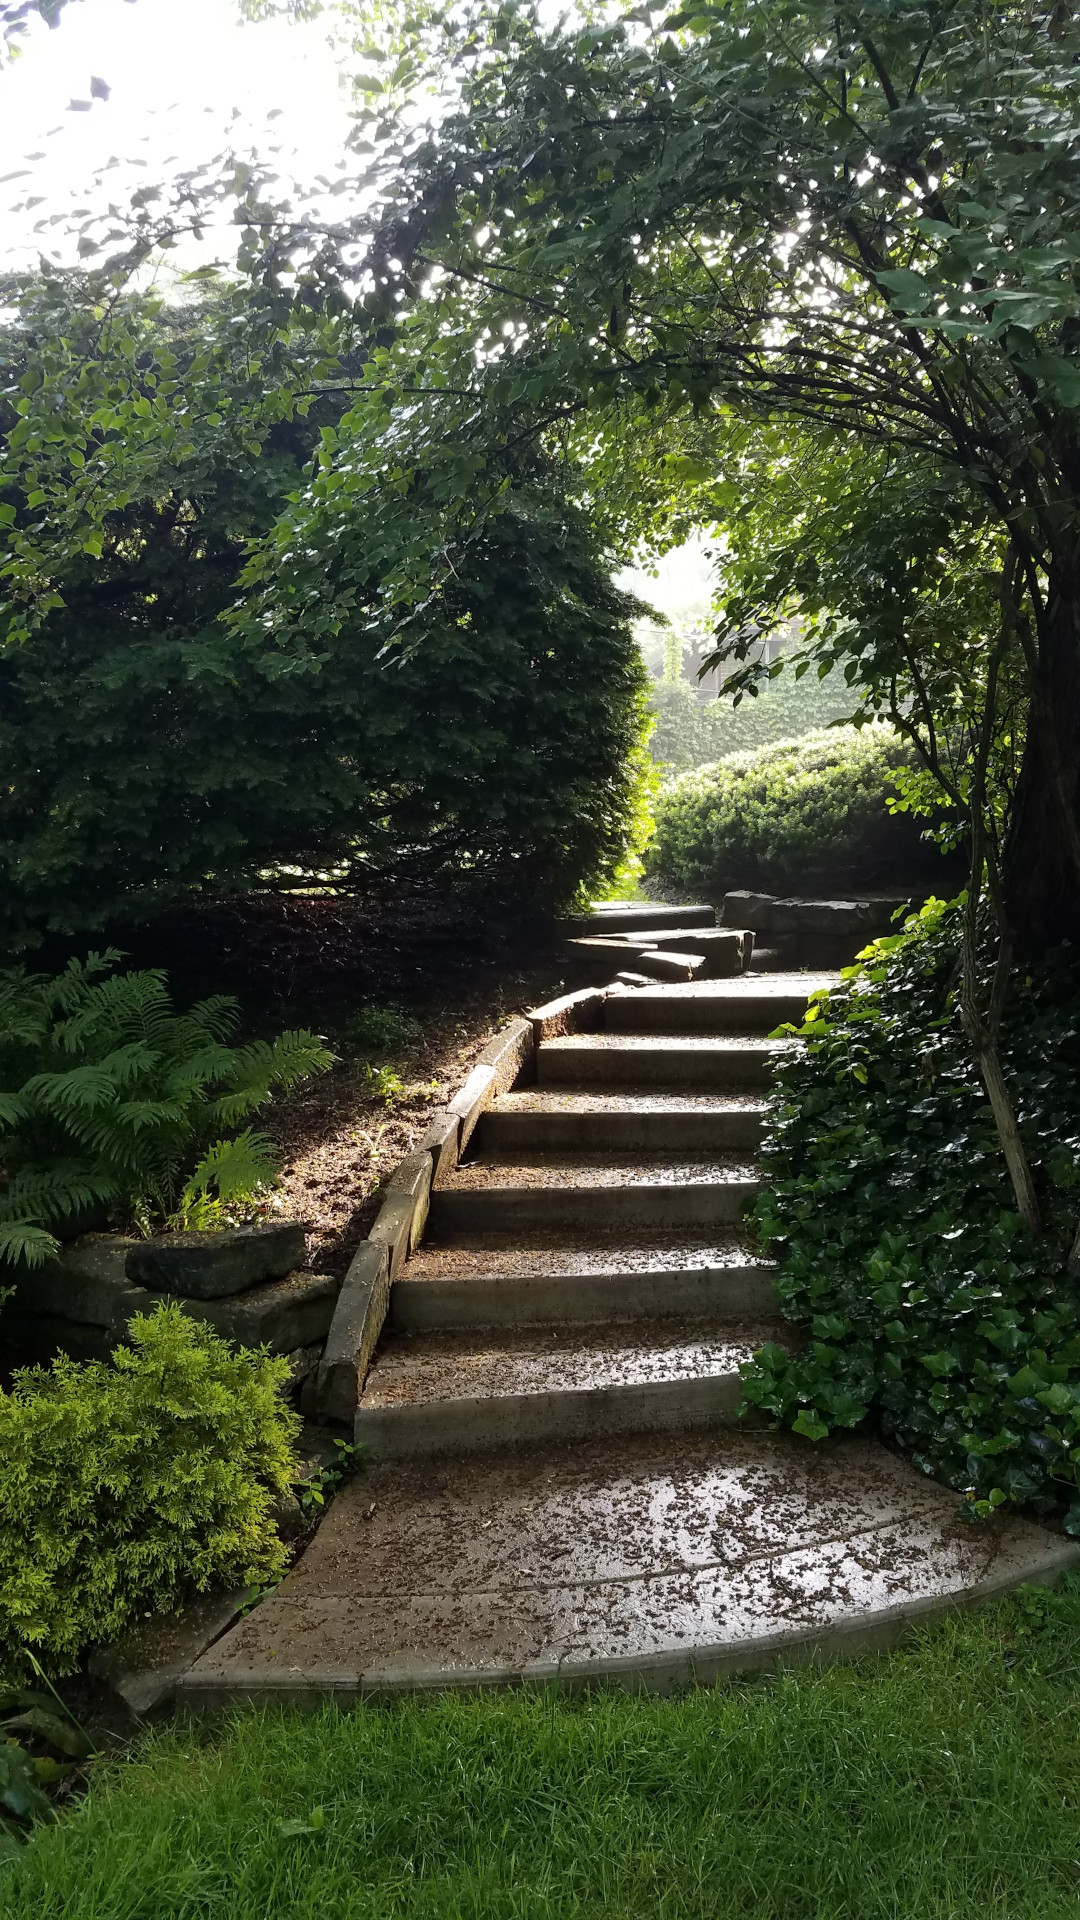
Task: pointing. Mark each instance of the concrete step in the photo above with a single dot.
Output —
(593, 1192)
(653, 1561)
(457, 1393)
(646, 1122)
(746, 1005)
(613, 1059)
(491, 1281)
(634, 916)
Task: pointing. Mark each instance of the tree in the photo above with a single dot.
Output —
(862, 218)
(167, 724)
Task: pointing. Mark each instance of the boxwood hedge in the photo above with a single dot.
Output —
(810, 813)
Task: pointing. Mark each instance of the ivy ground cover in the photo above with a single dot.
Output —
(930, 1305)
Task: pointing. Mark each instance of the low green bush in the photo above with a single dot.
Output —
(689, 731)
(930, 1305)
(127, 1487)
(112, 1104)
(806, 813)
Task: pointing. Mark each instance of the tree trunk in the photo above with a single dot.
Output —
(1042, 854)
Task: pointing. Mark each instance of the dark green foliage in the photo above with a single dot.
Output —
(386, 1029)
(809, 813)
(127, 1487)
(112, 1104)
(163, 730)
(151, 749)
(690, 731)
(929, 1303)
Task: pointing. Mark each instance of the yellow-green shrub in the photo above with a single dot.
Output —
(128, 1486)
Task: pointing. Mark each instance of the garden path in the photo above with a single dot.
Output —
(557, 1487)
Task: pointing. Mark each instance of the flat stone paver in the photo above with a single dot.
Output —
(647, 1561)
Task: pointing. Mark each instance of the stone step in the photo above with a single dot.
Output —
(598, 960)
(613, 1059)
(584, 1193)
(652, 1561)
(673, 1122)
(725, 951)
(444, 1392)
(491, 1281)
(747, 1005)
(633, 916)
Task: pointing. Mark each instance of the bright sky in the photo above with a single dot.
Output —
(186, 79)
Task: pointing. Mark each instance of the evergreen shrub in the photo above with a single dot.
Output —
(128, 1487)
(930, 1305)
(810, 814)
(114, 1105)
(689, 731)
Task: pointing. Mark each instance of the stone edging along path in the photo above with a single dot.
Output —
(539, 1347)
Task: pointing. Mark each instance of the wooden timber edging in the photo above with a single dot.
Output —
(508, 1060)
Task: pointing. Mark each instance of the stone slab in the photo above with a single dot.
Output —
(634, 916)
(652, 1561)
(471, 1099)
(282, 1315)
(443, 1141)
(143, 1668)
(393, 1229)
(412, 1178)
(510, 1055)
(581, 1012)
(86, 1282)
(789, 916)
(747, 1005)
(206, 1266)
(354, 1331)
(660, 965)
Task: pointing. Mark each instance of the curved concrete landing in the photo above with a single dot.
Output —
(653, 1561)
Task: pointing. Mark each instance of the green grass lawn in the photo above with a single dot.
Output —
(943, 1781)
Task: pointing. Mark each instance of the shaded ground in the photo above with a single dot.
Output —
(439, 976)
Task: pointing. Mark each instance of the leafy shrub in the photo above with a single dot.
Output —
(805, 813)
(929, 1303)
(387, 1029)
(110, 1101)
(690, 732)
(497, 744)
(128, 1487)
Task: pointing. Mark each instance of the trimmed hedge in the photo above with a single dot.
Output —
(690, 731)
(806, 813)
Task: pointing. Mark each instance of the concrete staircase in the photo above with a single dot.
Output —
(556, 1487)
(584, 1271)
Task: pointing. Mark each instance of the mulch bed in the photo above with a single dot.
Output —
(459, 970)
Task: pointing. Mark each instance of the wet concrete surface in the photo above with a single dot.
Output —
(412, 1369)
(651, 1561)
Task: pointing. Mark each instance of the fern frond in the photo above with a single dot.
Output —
(21, 1241)
(237, 1168)
(81, 1090)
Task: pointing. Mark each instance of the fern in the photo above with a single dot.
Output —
(112, 1101)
